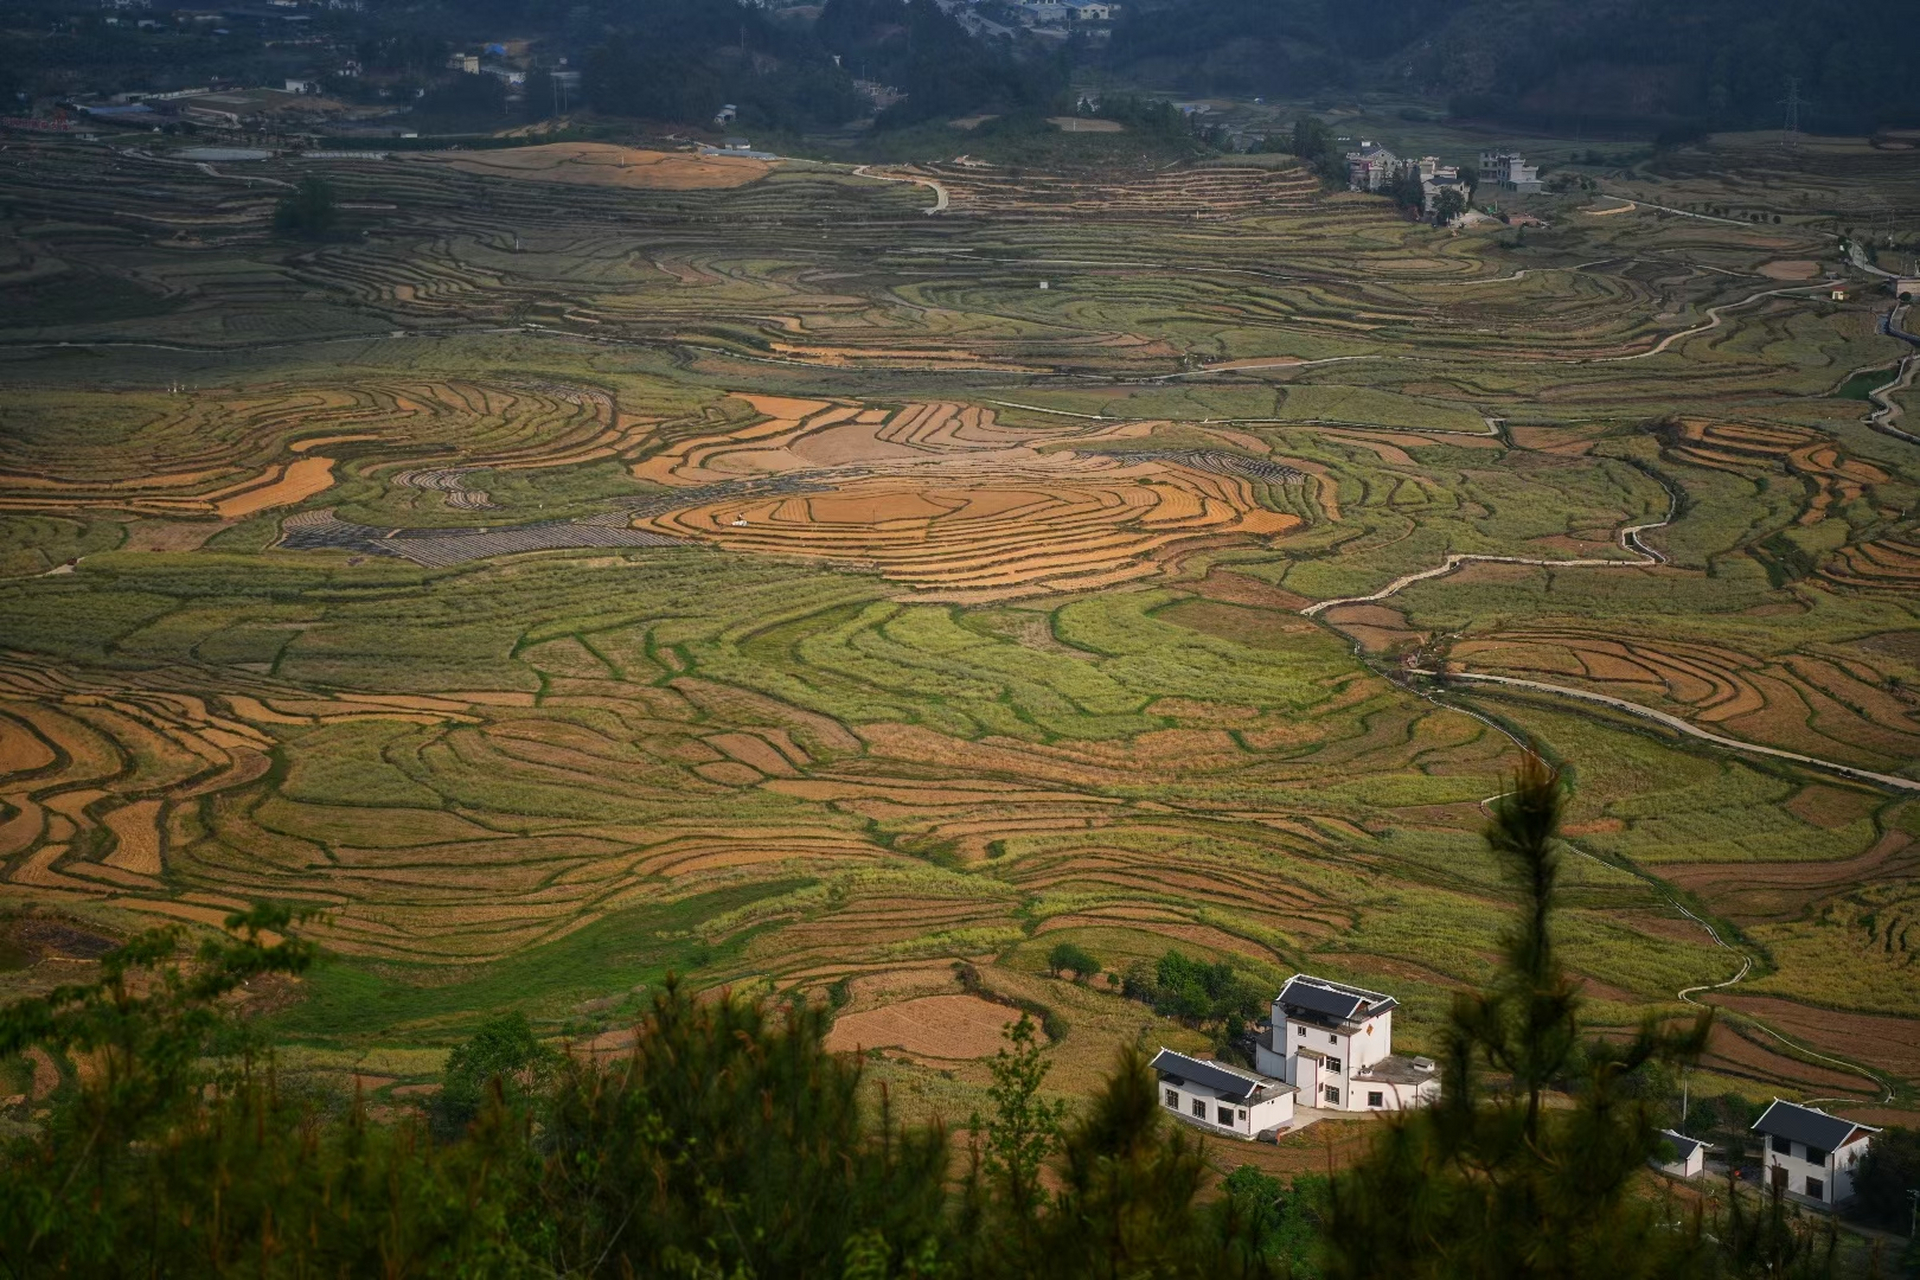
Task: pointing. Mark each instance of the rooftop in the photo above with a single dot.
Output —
(1324, 1001)
(1398, 1068)
(1809, 1125)
(1230, 1083)
(1683, 1146)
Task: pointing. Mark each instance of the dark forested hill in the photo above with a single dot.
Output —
(1720, 63)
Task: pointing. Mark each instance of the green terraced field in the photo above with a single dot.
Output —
(778, 585)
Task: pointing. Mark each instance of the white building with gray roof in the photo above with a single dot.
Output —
(1810, 1152)
(1680, 1156)
(1334, 1043)
(1222, 1099)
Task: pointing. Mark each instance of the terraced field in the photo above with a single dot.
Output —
(794, 585)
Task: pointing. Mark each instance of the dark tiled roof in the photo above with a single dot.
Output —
(1334, 1000)
(1683, 1146)
(1807, 1125)
(1235, 1086)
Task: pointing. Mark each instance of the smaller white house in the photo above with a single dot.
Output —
(1689, 1155)
(1223, 1099)
(1809, 1152)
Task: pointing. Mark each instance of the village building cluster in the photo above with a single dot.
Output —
(1375, 168)
(1328, 1047)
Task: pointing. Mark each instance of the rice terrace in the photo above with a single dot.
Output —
(854, 581)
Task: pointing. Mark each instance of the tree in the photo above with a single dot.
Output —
(1129, 1197)
(1024, 1128)
(503, 1057)
(1889, 1170)
(1313, 143)
(1489, 1182)
(1447, 207)
(309, 211)
(1071, 957)
(1470, 179)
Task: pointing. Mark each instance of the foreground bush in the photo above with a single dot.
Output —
(730, 1143)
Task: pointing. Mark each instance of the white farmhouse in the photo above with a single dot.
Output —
(1809, 1152)
(1509, 171)
(1334, 1043)
(1225, 1099)
(1371, 167)
(1689, 1155)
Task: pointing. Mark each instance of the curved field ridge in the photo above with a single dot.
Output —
(229, 454)
(441, 548)
(948, 500)
(1676, 723)
(1643, 557)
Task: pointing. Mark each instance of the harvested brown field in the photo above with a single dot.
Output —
(300, 481)
(1891, 1044)
(946, 499)
(946, 1028)
(602, 164)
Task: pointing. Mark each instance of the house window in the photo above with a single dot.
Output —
(1781, 1146)
(1816, 1156)
(1225, 1115)
(1243, 1115)
(1199, 1108)
(1816, 1188)
(1332, 1038)
(1375, 1098)
(1333, 1095)
(1333, 1065)
(1173, 1099)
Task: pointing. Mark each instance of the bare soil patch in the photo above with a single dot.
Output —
(955, 1028)
(602, 164)
(1892, 1044)
(300, 481)
(1791, 269)
(136, 830)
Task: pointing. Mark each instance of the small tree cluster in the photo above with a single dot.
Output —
(1197, 993)
(310, 211)
(1071, 957)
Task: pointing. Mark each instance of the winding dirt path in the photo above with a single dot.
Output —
(1681, 726)
(1644, 557)
(939, 190)
(1713, 322)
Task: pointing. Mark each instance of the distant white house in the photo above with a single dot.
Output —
(1091, 10)
(1334, 1043)
(1509, 171)
(1039, 11)
(1369, 168)
(1689, 1155)
(1810, 1152)
(1226, 1100)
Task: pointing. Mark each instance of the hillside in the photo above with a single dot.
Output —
(1617, 64)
